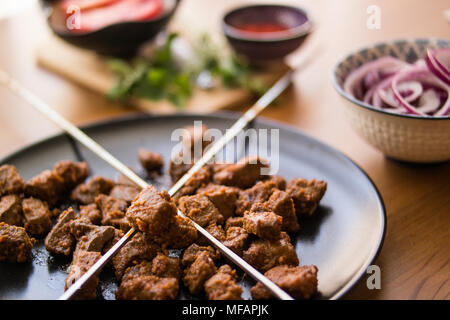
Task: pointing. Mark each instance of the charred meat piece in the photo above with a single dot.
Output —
(259, 193)
(150, 161)
(299, 282)
(152, 212)
(306, 194)
(236, 239)
(15, 244)
(242, 174)
(72, 173)
(60, 240)
(266, 224)
(282, 204)
(47, 186)
(113, 212)
(223, 197)
(198, 272)
(10, 180)
(140, 247)
(264, 254)
(11, 210)
(164, 266)
(191, 253)
(216, 231)
(91, 213)
(200, 209)
(148, 288)
(81, 263)
(234, 222)
(199, 179)
(37, 216)
(223, 286)
(86, 193)
(124, 192)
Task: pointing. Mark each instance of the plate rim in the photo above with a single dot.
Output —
(233, 115)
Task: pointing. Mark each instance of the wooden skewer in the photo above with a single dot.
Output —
(88, 142)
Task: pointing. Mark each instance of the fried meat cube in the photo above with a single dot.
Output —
(11, 210)
(199, 179)
(198, 272)
(278, 181)
(242, 174)
(141, 268)
(191, 253)
(37, 216)
(259, 193)
(85, 193)
(200, 209)
(10, 180)
(223, 286)
(60, 240)
(223, 197)
(152, 211)
(124, 192)
(306, 194)
(181, 234)
(15, 244)
(282, 204)
(265, 224)
(234, 222)
(178, 168)
(148, 288)
(216, 231)
(236, 239)
(81, 263)
(299, 282)
(150, 161)
(264, 254)
(47, 186)
(91, 213)
(164, 266)
(140, 247)
(113, 212)
(72, 173)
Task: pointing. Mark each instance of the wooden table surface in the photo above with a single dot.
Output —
(415, 258)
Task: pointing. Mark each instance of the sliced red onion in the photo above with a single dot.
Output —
(438, 68)
(424, 76)
(410, 91)
(353, 82)
(442, 58)
(429, 101)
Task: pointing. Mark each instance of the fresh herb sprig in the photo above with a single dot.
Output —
(162, 77)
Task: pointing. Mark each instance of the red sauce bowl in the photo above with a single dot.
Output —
(266, 32)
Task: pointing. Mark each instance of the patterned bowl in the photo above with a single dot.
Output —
(402, 137)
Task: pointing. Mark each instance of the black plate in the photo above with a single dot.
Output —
(342, 238)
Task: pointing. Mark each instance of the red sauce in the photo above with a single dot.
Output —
(262, 27)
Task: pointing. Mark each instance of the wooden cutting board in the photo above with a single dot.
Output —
(89, 70)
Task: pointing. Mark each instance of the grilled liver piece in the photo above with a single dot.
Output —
(91, 213)
(264, 254)
(242, 174)
(223, 286)
(150, 161)
(60, 240)
(198, 272)
(10, 180)
(306, 194)
(15, 244)
(37, 216)
(200, 209)
(148, 288)
(86, 193)
(124, 192)
(72, 173)
(223, 197)
(264, 224)
(113, 212)
(11, 210)
(299, 282)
